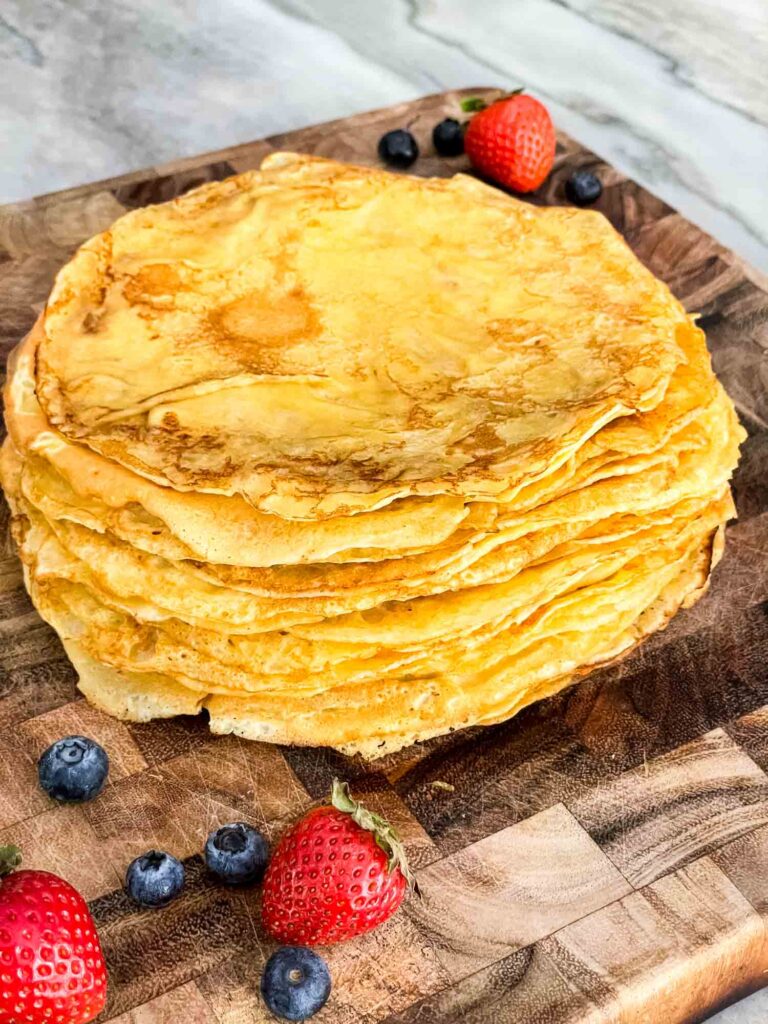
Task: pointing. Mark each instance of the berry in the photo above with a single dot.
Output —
(448, 137)
(338, 872)
(295, 983)
(398, 148)
(512, 141)
(154, 879)
(583, 188)
(51, 963)
(236, 853)
(73, 769)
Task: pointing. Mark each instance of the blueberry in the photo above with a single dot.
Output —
(448, 137)
(398, 148)
(154, 879)
(236, 853)
(583, 188)
(73, 769)
(295, 983)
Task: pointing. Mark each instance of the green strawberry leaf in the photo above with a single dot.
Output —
(385, 835)
(472, 104)
(10, 859)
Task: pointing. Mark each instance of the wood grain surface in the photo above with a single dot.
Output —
(601, 858)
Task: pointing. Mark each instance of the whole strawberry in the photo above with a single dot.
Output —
(51, 965)
(339, 871)
(511, 141)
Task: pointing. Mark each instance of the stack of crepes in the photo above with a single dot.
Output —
(351, 458)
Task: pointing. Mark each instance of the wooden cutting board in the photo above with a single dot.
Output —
(601, 858)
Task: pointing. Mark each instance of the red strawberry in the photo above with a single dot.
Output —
(511, 141)
(51, 966)
(340, 871)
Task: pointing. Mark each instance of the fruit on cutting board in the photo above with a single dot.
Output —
(398, 148)
(295, 983)
(448, 137)
(583, 188)
(237, 854)
(338, 872)
(512, 140)
(51, 964)
(73, 769)
(154, 879)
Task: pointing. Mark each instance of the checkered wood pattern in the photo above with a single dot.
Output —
(602, 857)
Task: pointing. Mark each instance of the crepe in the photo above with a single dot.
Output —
(432, 635)
(372, 730)
(355, 459)
(228, 531)
(311, 374)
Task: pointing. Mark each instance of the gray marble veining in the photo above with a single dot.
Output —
(671, 91)
(716, 47)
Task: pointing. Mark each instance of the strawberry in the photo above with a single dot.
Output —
(511, 141)
(338, 872)
(51, 965)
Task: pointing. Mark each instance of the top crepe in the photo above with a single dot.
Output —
(323, 339)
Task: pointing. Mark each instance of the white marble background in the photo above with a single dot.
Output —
(674, 92)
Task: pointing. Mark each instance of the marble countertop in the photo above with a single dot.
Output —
(670, 91)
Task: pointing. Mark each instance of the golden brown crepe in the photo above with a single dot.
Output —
(354, 459)
(323, 338)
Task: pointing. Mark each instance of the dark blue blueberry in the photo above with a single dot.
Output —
(448, 137)
(154, 879)
(583, 188)
(73, 769)
(295, 983)
(398, 148)
(236, 853)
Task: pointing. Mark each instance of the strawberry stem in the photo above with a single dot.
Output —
(10, 859)
(474, 104)
(385, 835)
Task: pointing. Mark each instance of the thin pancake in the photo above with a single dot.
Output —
(141, 696)
(323, 338)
